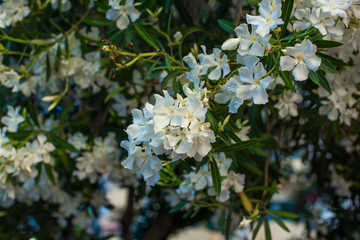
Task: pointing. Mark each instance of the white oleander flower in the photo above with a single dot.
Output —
(255, 84)
(44, 148)
(12, 119)
(246, 43)
(13, 11)
(123, 14)
(215, 60)
(287, 104)
(302, 59)
(10, 79)
(196, 68)
(248, 61)
(223, 163)
(334, 7)
(229, 94)
(202, 178)
(3, 138)
(323, 21)
(235, 180)
(78, 140)
(269, 19)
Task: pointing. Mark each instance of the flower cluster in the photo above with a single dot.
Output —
(13, 11)
(98, 161)
(196, 182)
(175, 127)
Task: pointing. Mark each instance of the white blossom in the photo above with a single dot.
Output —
(269, 19)
(301, 58)
(123, 14)
(255, 84)
(246, 43)
(287, 104)
(12, 119)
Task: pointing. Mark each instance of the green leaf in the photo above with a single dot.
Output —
(62, 155)
(20, 135)
(288, 80)
(258, 151)
(238, 146)
(315, 36)
(215, 175)
(145, 35)
(286, 10)
(327, 44)
(178, 206)
(172, 74)
(324, 82)
(267, 230)
(257, 228)
(314, 77)
(254, 3)
(3, 213)
(98, 22)
(61, 142)
(168, 62)
(213, 123)
(284, 214)
(227, 26)
(112, 93)
(327, 66)
(41, 42)
(65, 111)
(195, 212)
(151, 69)
(48, 68)
(30, 108)
(335, 61)
(280, 223)
(50, 173)
(102, 8)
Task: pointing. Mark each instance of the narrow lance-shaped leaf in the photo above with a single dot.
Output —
(237, 146)
(324, 82)
(327, 66)
(145, 35)
(280, 223)
(50, 173)
(227, 26)
(314, 77)
(215, 174)
(48, 68)
(288, 80)
(61, 142)
(286, 13)
(179, 206)
(283, 213)
(335, 61)
(267, 230)
(257, 228)
(32, 112)
(213, 123)
(327, 44)
(98, 21)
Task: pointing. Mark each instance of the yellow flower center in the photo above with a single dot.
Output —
(299, 58)
(253, 39)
